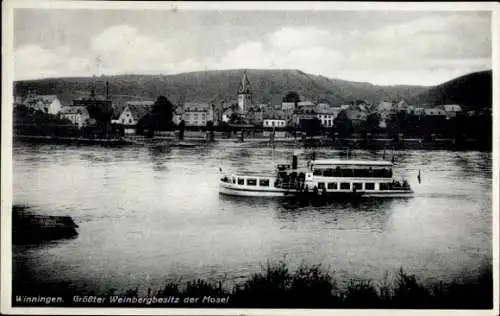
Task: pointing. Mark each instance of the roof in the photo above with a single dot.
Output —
(352, 162)
(46, 99)
(355, 114)
(138, 111)
(196, 107)
(141, 103)
(305, 103)
(118, 110)
(452, 107)
(74, 110)
(384, 106)
(274, 117)
(244, 87)
(332, 111)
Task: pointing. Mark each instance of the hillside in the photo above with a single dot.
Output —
(269, 86)
(473, 91)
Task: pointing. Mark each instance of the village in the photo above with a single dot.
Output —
(294, 116)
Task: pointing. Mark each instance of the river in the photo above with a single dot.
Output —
(150, 214)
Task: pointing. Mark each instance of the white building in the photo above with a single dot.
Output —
(132, 114)
(452, 109)
(46, 103)
(78, 115)
(197, 114)
(306, 104)
(274, 122)
(288, 106)
(435, 111)
(328, 116)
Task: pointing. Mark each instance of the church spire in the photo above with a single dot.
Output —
(244, 85)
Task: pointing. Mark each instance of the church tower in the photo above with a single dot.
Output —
(244, 95)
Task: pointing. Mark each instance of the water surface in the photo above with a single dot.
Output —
(147, 214)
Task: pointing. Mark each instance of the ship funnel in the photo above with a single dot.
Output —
(294, 161)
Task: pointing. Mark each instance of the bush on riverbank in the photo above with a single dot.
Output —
(307, 287)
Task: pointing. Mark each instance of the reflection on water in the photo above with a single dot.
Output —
(147, 213)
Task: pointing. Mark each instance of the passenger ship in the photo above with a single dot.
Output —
(323, 177)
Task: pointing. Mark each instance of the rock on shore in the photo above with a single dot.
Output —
(29, 228)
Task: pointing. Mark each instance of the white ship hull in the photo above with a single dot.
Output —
(239, 190)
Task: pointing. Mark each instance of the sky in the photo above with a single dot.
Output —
(380, 47)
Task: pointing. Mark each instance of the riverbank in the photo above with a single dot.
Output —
(275, 286)
(72, 140)
(339, 143)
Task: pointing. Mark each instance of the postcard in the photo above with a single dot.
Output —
(249, 158)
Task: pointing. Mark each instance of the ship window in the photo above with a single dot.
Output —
(332, 186)
(328, 173)
(358, 186)
(370, 186)
(234, 180)
(345, 186)
(384, 186)
(321, 185)
(241, 181)
(358, 172)
(318, 172)
(251, 181)
(264, 182)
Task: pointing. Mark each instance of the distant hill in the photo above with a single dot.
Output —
(473, 91)
(269, 86)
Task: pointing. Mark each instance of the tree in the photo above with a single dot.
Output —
(343, 124)
(371, 124)
(161, 114)
(182, 125)
(292, 96)
(311, 127)
(210, 129)
(234, 118)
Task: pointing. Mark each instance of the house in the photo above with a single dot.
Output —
(274, 119)
(288, 106)
(177, 115)
(118, 111)
(385, 107)
(303, 114)
(434, 112)
(452, 109)
(418, 111)
(46, 103)
(197, 114)
(356, 115)
(272, 122)
(401, 105)
(94, 102)
(78, 115)
(322, 106)
(306, 105)
(131, 115)
(327, 116)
